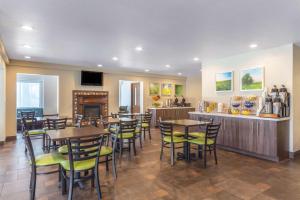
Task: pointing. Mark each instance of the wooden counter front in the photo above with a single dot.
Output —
(261, 138)
(173, 113)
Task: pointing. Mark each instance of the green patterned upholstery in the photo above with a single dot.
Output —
(126, 135)
(106, 150)
(201, 141)
(63, 149)
(49, 159)
(79, 165)
(197, 134)
(145, 125)
(37, 132)
(175, 139)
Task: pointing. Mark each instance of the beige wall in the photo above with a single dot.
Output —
(194, 89)
(2, 99)
(278, 65)
(69, 79)
(296, 98)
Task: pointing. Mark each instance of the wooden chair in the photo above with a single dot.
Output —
(208, 143)
(40, 161)
(54, 124)
(83, 157)
(168, 140)
(146, 124)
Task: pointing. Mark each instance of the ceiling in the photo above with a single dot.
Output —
(87, 33)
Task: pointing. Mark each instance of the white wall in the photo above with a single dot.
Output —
(278, 65)
(2, 100)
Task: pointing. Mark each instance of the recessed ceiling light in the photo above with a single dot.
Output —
(139, 48)
(27, 57)
(147, 70)
(115, 58)
(27, 46)
(179, 73)
(196, 59)
(99, 65)
(27, 28)
(253, 46)
(168, 66)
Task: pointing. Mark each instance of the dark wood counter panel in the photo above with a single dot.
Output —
(266, 139)
(169, 114)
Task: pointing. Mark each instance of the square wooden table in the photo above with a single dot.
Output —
(187, 123)
(73, 132)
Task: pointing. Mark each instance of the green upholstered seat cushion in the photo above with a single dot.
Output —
(111, 129)
(175, 139)
(126, 135)
(145, 125)
(197, 134)
(201, 141)
(49, 159)
(79, 165)
(36, 132)
(106, 150)
(175, 133)
(63, 149)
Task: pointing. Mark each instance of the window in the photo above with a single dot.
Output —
(30, 94)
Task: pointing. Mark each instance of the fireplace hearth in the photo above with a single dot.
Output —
(90, 104)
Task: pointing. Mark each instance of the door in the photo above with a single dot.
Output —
(135, 97)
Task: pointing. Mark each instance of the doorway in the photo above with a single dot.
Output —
(131, 95)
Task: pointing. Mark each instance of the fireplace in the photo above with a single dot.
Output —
(91, 111)
(90, 104)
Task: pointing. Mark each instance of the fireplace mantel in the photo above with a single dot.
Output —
(84, 97)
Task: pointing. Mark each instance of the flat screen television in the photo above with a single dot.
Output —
(91, 78)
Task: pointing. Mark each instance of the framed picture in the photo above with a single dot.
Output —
(252, 79)
(179, 90)
(224, 81)
(154, 89)
(166, 89)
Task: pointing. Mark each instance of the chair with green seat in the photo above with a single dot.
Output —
(175, 133)
(55, 124)
(44, 160)
(30, 125)
(146, 124)
(168, 140)
(126, 134)
(202, 129)
(208, 143)
(83, 157)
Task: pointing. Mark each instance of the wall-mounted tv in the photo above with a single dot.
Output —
(91, 78)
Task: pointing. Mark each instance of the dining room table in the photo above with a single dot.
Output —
(116, 121)
(186, 123)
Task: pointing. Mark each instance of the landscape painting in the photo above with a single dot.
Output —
(166, 89)
(224, 82)
(252, 79)
(154, 89)
(179, 90)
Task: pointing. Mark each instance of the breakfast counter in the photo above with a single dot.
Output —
(169, 113)
(265, 138)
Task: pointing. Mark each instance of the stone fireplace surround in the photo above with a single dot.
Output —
(81, 98)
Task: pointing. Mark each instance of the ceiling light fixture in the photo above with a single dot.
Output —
(27, 57)
(115, 58)
(196, 59)
(168, 66)
(179, 73)
(139, 48)
(27, 46)
(147, 70)
(27, 28)
(253, 46)
(99, 65)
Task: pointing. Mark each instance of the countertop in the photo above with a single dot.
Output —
(170, 108)
(241, 116)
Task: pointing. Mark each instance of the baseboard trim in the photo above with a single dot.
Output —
(295, 154)
(10, 138)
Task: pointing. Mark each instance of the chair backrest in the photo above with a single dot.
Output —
(123, 109)
(29, 146)
(128, 127)
(114, 115)
(28, 115)
(84, 149)
(206, 119)
(146, 118)
(166, 129)
(212, 131)
(55, 124)
(29, 123)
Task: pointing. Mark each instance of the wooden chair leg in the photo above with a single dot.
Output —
(215, 155)
(204, 156)
(63, 182)
(98, 183)
(32, 183)
(149, 133)
(161, 150)
(106, 163)
(172, 154)
(134, 148)
(141, 146)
